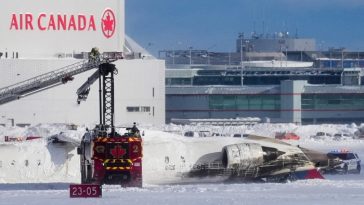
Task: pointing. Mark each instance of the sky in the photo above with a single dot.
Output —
(214, 24)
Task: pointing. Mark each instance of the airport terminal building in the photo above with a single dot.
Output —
(276, 78)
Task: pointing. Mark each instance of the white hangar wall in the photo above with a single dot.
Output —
(139, 83)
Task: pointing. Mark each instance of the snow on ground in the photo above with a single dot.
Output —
(59, 167)
(332, 191)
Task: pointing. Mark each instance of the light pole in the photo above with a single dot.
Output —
(247, 49)
(241, 38)
(286, 55)
(342, 58)
(173, 55)
(229, 58)
(330, 58)
(241, 51)
(358, 64)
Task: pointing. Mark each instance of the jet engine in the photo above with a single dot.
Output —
(242, 156)
(248, 155)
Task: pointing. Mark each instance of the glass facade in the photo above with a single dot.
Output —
(258, 79)
(217, 80)
(332, 101)
(244, 102)
(178, 81)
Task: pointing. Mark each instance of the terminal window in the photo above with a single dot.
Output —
(132, 109)
(138, 109)
(332, 101)
(244, 102)
(144, 109)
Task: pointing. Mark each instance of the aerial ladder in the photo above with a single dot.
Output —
(53, 78)
(106, 157)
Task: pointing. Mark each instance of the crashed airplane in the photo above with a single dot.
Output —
(176, 159)
(261, 159)
(172, 159)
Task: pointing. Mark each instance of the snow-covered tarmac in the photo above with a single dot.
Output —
(335, 189)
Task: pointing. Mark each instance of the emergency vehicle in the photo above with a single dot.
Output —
(350, 161)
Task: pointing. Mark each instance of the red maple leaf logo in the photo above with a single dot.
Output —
(108, 23)
(118, 152)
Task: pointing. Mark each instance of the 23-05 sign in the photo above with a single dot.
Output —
(85, 190)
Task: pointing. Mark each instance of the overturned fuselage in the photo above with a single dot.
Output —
(253, 158)
(260, 158)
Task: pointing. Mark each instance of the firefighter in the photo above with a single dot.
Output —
(94, 55)
(135, 131)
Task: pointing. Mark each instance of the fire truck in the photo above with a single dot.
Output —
(107, 157)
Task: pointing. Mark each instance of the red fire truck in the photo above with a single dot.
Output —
(107, 157)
